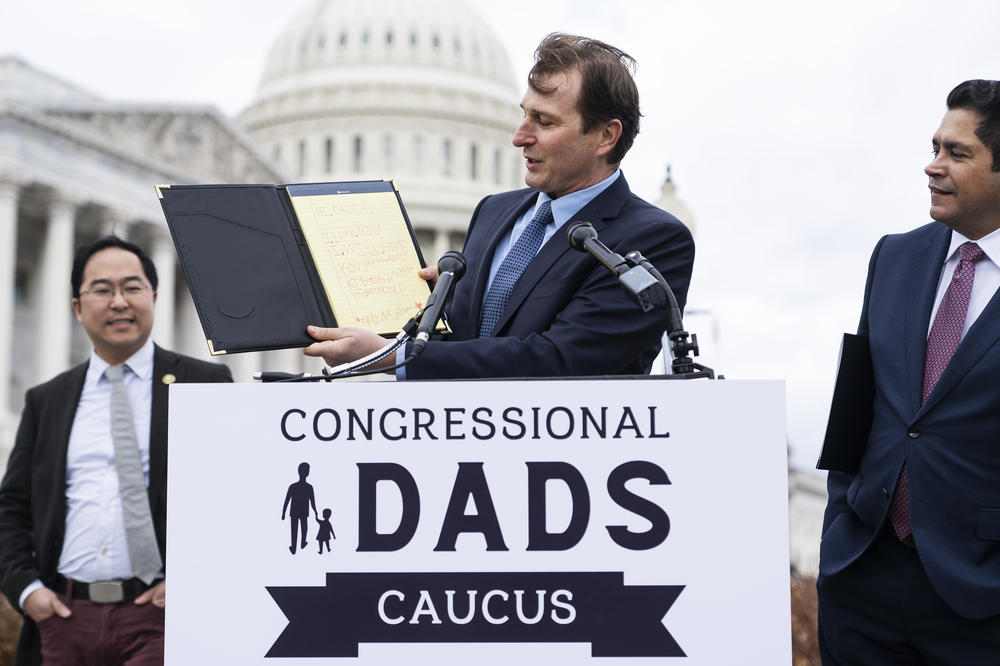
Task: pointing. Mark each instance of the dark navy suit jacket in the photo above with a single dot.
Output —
(951, 443)
(33, 492)
(567, 314)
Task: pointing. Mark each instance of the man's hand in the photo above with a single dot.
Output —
(157, 594)
(342, 345)
(429, 273)
(43, 603)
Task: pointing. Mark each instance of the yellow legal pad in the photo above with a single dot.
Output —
(363, 250)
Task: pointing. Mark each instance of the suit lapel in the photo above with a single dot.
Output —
(499, 231)
(605, 206)
(66, 414)
(164, 363)
(929, 258)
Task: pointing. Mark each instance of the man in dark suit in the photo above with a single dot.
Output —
(910, 557)
(65, 559)
(529, 305)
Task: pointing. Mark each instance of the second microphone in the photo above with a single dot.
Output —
(451, 267)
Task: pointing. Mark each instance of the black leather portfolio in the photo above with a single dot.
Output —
(852, 408)
(264, 261)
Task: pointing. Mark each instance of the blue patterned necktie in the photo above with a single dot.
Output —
(513, 265)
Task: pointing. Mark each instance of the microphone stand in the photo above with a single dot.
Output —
(680, 346)
(641, 279)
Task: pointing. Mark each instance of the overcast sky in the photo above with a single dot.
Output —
(797, 132)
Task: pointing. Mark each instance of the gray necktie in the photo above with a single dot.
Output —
(142, 549)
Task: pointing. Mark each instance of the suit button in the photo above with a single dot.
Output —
(913, 432)
(885, 494)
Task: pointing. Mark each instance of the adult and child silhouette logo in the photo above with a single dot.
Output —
(300, 497)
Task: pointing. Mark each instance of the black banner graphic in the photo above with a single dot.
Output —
(523, 607)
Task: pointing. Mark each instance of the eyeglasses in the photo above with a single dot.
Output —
(105, 293)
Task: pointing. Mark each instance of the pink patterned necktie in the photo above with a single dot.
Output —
(946, 333)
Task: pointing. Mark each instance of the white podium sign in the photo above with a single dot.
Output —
(498, 522)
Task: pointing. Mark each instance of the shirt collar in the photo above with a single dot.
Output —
(990, 245)
(140, 363)
(568, 205)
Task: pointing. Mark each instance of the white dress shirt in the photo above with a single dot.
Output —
(987, 276)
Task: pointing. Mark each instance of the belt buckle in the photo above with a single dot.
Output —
(106, 592)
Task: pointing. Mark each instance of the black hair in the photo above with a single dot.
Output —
(85, 252)
(983, 97)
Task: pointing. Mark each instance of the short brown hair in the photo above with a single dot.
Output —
(608, 91)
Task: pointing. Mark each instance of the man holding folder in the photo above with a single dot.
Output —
(529, 305)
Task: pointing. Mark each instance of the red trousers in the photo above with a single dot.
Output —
(103, 635)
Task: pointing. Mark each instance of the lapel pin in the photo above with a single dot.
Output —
(169, 379)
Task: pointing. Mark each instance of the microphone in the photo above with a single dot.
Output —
(583, 237)
(269, 377)
(637, 280)
(451, 267)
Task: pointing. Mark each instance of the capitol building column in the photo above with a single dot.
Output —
(165, 260)
(441, 245)
(243, 366)
(8, 255)
(52, 353)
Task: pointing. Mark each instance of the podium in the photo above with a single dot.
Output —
(607, 521)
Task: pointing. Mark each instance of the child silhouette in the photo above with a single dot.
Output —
(325, 531)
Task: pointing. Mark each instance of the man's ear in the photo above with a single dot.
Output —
(611, 131)
(76, 309)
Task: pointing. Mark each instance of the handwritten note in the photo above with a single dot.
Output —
(365, 257)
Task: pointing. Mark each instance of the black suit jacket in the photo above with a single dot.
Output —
(567, 314)
(33, 491)
(950, 443)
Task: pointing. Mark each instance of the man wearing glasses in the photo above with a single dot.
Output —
(83, 501)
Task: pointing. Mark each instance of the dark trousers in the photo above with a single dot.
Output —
(103, 635)
(883, 611)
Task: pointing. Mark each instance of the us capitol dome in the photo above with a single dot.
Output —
(418, 92)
